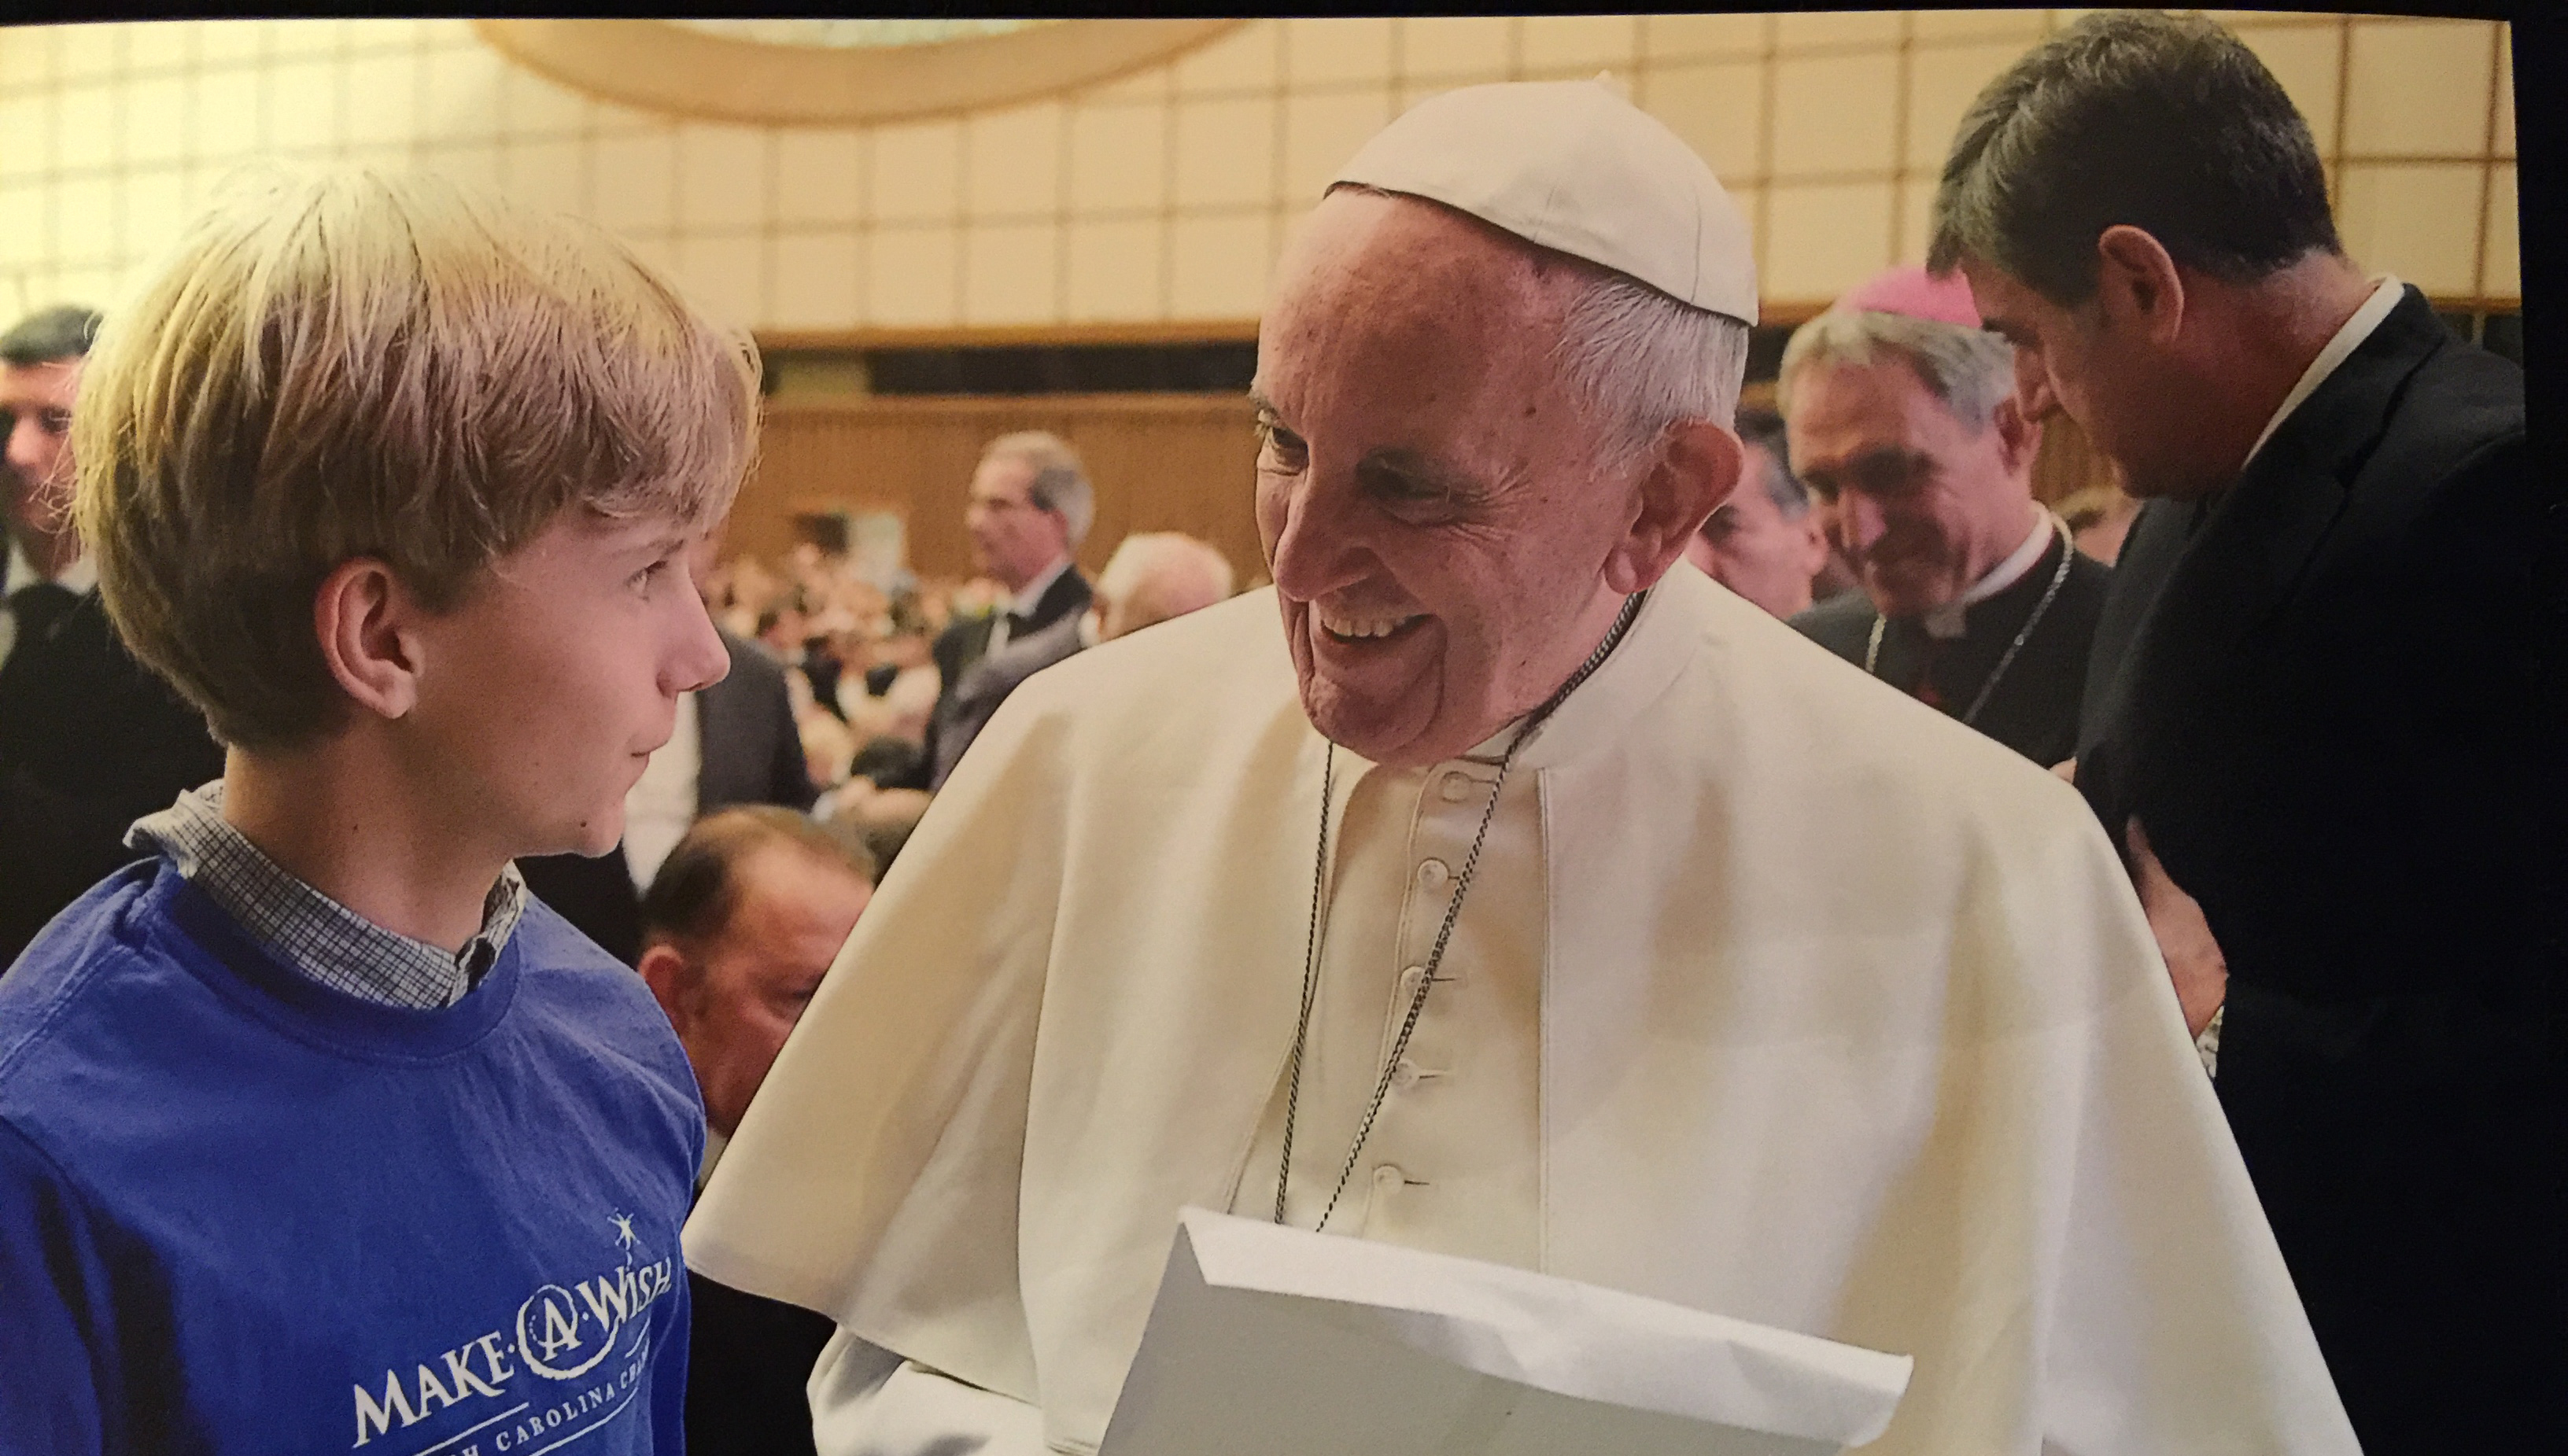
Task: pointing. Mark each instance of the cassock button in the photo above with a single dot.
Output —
(1455, 788)
(1388, 1176)
(1409, 977)
(1433, 873)
(1404, 1075)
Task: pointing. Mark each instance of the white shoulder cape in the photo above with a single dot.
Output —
(1851, 1026)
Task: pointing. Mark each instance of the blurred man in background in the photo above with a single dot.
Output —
(1152, 576)
(1764, 542)
(739, 925)
(90, 740)
(1906, 415)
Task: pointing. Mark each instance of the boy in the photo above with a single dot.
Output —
(317, 1132)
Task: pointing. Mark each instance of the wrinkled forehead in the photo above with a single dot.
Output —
(1376, 282)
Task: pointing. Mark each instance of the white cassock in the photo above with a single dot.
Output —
(1778, 995)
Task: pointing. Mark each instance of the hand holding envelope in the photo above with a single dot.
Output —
(1273, 1342)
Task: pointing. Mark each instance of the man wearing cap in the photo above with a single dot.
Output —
(1903, 414)
(1525, 898)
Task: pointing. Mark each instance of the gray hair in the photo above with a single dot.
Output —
(2166, 122)
(1642, 360)
(1060, 481)
(1968, 370)
(1155, 575)
(1146, 554)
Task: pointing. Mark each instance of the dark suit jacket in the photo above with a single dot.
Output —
(987, 683)
(751, 753)
(2317, 693)
(90, 742)
(965, 642)
(2034, 708)
(748, 1359)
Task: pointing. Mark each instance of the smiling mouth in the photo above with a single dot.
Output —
(1367, 629)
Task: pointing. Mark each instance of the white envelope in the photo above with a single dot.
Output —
(1273, 1342)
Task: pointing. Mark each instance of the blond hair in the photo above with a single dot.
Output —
(359, 363)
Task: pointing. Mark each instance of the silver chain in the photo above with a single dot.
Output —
(1443, 932)
(2059, 578)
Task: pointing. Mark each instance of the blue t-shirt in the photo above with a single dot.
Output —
(242, 1212)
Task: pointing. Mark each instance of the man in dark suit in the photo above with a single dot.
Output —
(1152, 576)
(2312, 710)
(1904, 414)
(90, 740)
(735, 742)
(1029, 507)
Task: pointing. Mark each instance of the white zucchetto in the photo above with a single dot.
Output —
(1572, 166)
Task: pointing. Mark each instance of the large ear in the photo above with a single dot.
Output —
(1695, 468)
(361, 616)
(2032, 387)
(2019, 433)
(663, 969)
(2137, 284)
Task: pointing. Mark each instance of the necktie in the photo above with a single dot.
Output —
(39, 609)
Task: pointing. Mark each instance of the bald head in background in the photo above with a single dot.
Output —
(1155, 575)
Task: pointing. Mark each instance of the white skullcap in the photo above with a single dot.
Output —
(1572, 166)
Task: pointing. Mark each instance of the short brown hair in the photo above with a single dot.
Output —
(364, 363)
(698, 886)
(2166, 122)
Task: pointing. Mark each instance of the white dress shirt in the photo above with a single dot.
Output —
(1023, 604)
(2386, 292)
(662, 802)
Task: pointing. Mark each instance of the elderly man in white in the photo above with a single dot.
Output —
(1524, 897)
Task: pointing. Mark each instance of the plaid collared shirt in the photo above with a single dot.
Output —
(311, 931)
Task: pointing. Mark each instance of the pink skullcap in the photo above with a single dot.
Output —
(1918, 294)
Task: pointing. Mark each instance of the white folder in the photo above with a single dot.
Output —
(1273, 1342)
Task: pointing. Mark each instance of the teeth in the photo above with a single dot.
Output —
(1354, 630)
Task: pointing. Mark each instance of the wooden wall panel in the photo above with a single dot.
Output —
(1181, 463)
(1160, 463)
(2066, 463)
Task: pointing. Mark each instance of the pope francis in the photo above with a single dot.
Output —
(1496, 883)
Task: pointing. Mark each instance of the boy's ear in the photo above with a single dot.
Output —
(359, 615)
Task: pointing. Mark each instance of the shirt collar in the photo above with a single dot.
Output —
(2386, 293)
(78, 578)
(1023, 603)
(308, 930)
(1950, 620)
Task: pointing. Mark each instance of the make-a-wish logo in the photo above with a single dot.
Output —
(550, 1324)
(561, 1333)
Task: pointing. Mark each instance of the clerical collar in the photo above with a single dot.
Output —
(2386, 292)
(1950, 620)
(1023, 603)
